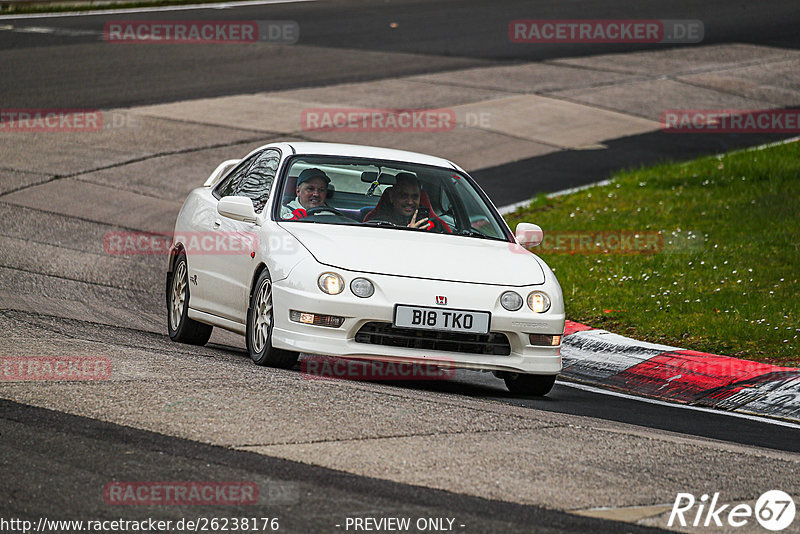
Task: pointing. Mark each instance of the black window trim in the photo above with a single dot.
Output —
(280, 181)
(224, 181)
(248, 161)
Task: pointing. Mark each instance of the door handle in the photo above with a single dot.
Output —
(217, 223)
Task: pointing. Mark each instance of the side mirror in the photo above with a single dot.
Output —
(529, 235)
(237, 208)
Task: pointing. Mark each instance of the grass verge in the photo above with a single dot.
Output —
(724, 275)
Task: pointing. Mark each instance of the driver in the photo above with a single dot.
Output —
(311, 191)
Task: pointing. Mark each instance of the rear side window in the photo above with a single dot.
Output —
(258, 179)
(252, 178)
(228, 186)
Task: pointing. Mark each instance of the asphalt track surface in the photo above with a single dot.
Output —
(439, 35)
(570, 400)
(53, 462)
(64, 459)
(344, 42)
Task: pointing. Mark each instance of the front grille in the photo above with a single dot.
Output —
(411, 338)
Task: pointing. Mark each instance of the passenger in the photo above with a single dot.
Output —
(311, 191)
(406, 204)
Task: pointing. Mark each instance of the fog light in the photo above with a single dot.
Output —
(361, 287)
(316, 319)
(545, 340)
(331, 283)
(511, 301)
(538, 302)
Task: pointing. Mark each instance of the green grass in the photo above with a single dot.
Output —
(726, 280)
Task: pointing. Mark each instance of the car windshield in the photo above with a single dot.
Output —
(386, 194)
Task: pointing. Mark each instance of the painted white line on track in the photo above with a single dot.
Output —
(504, 210)
(35, 29)
(154, 9)
(766, 420)
(513, 207)
(761, 147)
(579, 188)
(51, 31)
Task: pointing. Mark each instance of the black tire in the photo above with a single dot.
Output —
(529, 385)
(260, 320)
(181, 328)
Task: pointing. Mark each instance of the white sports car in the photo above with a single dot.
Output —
(367, 253)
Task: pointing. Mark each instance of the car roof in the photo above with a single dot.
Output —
(340, 149)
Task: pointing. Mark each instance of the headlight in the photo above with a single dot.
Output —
(330, 283)
(538, 302)
(361, 287)
(511, 301)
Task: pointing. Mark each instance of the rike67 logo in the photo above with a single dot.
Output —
(774, 510)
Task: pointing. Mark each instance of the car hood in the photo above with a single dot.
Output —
(418, 254)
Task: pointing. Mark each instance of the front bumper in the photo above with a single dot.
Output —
(391, 290)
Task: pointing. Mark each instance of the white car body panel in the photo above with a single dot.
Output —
(224, 274)
(418, 255)
(221, 170)
(295, 293)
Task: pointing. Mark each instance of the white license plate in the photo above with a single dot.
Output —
(469, 321)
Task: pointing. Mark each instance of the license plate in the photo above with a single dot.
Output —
(449, 320)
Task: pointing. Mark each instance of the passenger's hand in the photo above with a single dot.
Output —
(425, 224)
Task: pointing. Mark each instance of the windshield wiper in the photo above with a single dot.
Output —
(473, 233)
(381, 223)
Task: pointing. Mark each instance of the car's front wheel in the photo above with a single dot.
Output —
(531, 385)
(181, 327)
(260, 319)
